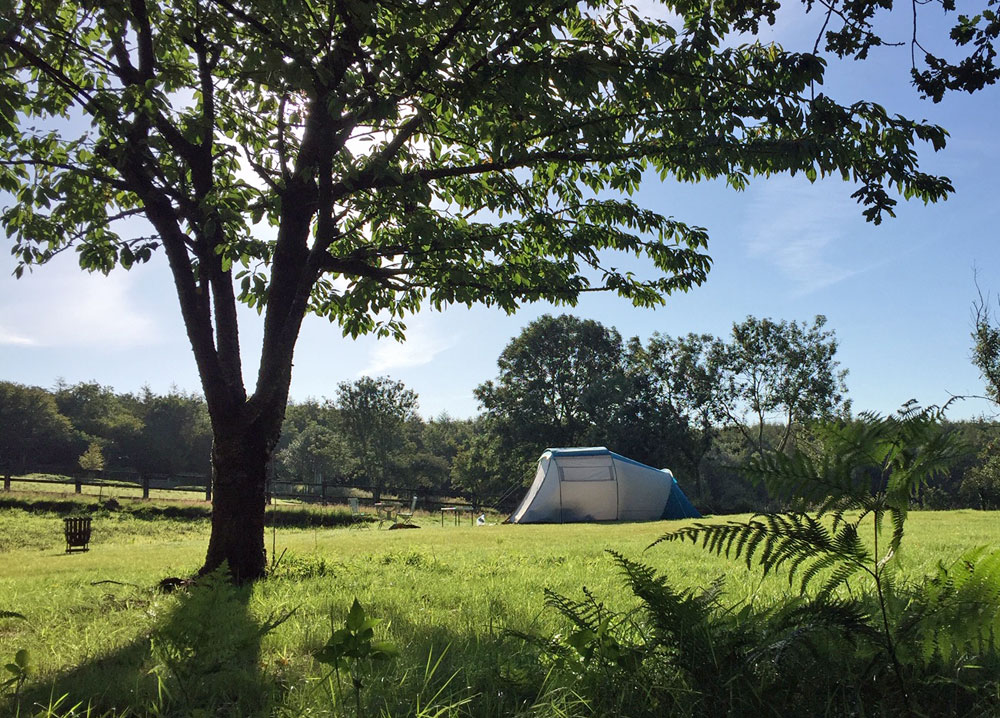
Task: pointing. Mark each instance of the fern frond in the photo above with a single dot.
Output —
(957, 609)
(799, 542)
(672, 612)
(796, 623)
(583, 614)
(799, 476)
(550, 645)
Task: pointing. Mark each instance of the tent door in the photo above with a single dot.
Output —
(588, 490)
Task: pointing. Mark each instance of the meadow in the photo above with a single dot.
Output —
(454, 602)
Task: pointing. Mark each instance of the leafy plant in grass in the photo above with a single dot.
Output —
(855, 638)
(353, 650)
(19, 670)
(867, 472)
(685, 652)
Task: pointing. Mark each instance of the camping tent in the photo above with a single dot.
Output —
(594, 484)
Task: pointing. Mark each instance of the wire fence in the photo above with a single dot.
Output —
(198, 487)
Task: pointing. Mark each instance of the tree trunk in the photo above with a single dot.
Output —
(239, 478)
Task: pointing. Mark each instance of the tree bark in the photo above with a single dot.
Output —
(239, 478)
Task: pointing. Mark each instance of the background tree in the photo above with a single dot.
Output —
(32, 431)
(426, 463)
(444, 436)
(113, 420)
(986, 346)
(780, 373)
(784, 371)
(648, 426)
(176, 434)
(685, 374)
(358, 159)
(980, 487)
(737, 397)
(374, 413)
(313, 445)
(317, 454)
(560, 383)
(92, 460)
(486, 471)
(566, 381)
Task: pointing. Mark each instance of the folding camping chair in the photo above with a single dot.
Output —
(359, 519)
(405, 515)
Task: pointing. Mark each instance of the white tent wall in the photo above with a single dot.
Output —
(541, 502)
(642, 490)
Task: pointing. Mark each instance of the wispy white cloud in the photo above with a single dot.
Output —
(423, 343)
(796, 226)
(10, 338)
(60, 306)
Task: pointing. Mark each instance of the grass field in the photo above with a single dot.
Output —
(99, 632)
(63, 486)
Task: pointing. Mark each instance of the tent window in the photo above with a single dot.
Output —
(586, 473)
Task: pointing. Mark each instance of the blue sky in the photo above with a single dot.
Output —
(898, 296)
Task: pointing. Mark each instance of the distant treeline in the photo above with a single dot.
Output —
(699, 405)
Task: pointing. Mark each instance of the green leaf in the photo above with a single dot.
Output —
(383, 650)
(356, 617)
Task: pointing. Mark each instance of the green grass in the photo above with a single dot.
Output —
(441, 590)
(63, 486)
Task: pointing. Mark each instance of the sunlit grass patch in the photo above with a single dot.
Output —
(456, 592)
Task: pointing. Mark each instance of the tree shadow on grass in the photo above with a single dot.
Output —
(445, 670)
(202, 657)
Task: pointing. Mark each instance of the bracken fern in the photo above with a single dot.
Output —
(855, 472)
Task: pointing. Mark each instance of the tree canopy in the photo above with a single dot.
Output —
(783, 372)
(31, 427)
(559, 383)
(366, 158)
(373, 413)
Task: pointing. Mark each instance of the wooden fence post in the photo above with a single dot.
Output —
(6, 482)
(78, 484)
(145, 485)
(208, 488)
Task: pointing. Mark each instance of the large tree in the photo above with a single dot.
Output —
(358, 159)
(374, 414)
(779, 372)
(32, 431)
(560, 383)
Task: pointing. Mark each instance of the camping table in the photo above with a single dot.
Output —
(456, 511)
(385, 510)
